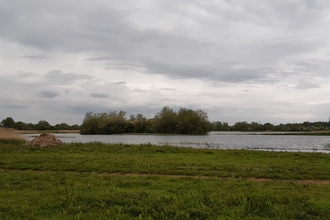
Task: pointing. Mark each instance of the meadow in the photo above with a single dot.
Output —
(118, 181)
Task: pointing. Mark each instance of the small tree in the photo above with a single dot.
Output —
(8, 122)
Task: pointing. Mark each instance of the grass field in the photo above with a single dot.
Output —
(103, 181)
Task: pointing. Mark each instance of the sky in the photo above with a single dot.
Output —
(254, 61)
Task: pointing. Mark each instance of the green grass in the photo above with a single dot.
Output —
(76, 181)
(60, 195)
(107, 158)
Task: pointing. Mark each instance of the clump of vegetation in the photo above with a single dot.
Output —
(167, 121)
(9, 134)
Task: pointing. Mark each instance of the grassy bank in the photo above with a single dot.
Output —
(85, 181)
(147, 159)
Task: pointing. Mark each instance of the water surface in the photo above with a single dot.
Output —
(214, 140)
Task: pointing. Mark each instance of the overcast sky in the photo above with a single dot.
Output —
(238, 60)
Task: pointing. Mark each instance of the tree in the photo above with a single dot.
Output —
(165, 121)
(21, 125)
(220, 126)
(90, 124)
(43, 125)
(268, 126)
(240, 126)
(62, 126)
(140, 124)
(8, 122)
(106, 123)
(192, 122)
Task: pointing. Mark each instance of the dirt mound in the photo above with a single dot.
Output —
(44, 140)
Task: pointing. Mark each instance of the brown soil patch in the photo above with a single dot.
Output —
(44, 140)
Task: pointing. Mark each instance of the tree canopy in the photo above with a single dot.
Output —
(167, 121)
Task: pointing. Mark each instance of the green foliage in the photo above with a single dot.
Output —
(219, 126)
(8, 122)
(167, 121)
(192, 122)
(106, 123)
(255, 126)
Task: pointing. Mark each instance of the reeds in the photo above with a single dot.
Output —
(9, 134)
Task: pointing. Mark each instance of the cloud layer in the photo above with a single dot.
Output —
(257, 60)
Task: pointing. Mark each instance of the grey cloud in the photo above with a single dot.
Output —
(122, 65)
(64, 32)
(131, 47)
(168, 89)
(221, 73)
(82, 108)
(294, 14)
(273, 50)
(306, 85)
(48, 94)
(306, 64)
(177, 70)
(37, 57)
(225, 46)
(99, 95)
(99, 58)
(27, 74)
(242, 75)
(138, 90)
(14, 104)
(65, 77)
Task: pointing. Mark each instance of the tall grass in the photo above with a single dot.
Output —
(9, 134)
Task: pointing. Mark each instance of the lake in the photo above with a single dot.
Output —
(214, 140)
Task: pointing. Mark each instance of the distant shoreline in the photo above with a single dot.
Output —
(47, 131)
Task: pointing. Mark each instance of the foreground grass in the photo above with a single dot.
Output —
(76, 181)
(61, 195)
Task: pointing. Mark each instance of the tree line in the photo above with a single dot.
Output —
(167, 121)
(9, 122)
(255, 126)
